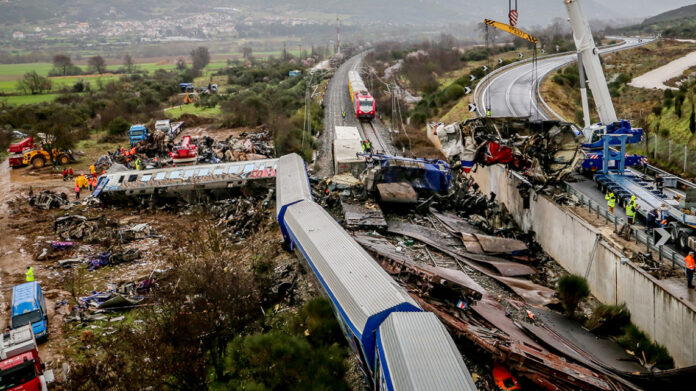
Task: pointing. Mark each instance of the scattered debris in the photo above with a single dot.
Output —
(367, 215)
(48, 199)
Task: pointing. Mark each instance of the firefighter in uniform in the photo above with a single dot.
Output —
(611, 201)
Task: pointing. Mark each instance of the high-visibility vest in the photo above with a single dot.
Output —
(690, 263)
(631, 210)
(611, 200)
(30, 274)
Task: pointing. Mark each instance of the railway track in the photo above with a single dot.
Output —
(369, 132)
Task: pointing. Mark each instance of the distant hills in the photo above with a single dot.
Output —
(676, 23)
(421, 12)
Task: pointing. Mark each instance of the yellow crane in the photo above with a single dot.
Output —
(512, 30)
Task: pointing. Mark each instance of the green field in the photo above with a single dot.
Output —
(10, 73)
(176, 112)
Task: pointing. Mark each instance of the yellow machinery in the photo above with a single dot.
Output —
(512, 30)
(190, 98)
(39, 157)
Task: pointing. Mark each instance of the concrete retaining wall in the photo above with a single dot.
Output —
(569, 239)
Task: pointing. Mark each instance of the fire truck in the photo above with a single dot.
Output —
(20, 365)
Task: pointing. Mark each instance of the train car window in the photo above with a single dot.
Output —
(248, 168)
(188, 174)
(174, 174)
(120, 180)
(218, 171)
(261, 167)
(233, 169)
(160, 176)
(203, 172)
(132, 178)
(146, 178)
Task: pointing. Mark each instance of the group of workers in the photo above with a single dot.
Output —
(85, 181)
(631, 206)
(653, 221)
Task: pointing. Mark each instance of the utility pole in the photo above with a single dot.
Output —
(338, 35)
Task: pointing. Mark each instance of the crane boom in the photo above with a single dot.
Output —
(512, 30)
(590, 60)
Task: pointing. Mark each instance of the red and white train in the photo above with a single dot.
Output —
(363, 102)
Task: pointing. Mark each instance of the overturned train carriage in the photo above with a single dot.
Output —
(187, 182)
(384, 326)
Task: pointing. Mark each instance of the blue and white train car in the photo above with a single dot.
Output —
(363, 295)
(412, 347)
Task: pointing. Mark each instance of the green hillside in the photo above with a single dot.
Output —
(677, 23)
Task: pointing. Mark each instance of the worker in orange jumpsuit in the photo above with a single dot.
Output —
(690, 266)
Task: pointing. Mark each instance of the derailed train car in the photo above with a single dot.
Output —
(186, 181)
(544, 151)
(400, 347)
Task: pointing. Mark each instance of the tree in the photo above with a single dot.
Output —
(63, 63)
(34, 83)
(97, 64)
(128, 63)
(200, 57)
(180, 64)
(247, 51)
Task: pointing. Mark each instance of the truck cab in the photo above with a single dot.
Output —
(17, 151)
(20, 365)
(164, 125)
(137, 133)
(29, 308)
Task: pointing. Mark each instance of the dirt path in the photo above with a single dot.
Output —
(657, 77)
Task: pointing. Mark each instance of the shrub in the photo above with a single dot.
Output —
(635, 340)
(454, 92)
(609, 319)
(475, 55)
(657, 109)
(572, 289)
(118, 126)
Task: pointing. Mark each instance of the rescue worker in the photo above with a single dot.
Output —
(71, 173)
(631, 212)
(488, 112)
(132, 151)
(65, 174)
(690, 266)
(29, 274)
(92, 169)
(652, 218)
(343, 114)
(368, 146)
(92, 183)
(77, 191)
(138, 164)
(362, 144)
(611, 201)
(659, 183)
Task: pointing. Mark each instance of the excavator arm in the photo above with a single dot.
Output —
(512, 30)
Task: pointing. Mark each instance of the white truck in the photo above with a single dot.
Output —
(169, 128)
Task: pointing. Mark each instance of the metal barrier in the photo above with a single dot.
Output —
(639, 235)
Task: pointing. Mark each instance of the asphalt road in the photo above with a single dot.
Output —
(512, 93)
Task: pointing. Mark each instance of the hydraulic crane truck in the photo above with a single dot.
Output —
(677, 208)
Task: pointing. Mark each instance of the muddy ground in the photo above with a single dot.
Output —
(27, 231)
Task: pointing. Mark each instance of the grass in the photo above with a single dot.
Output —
(176, 112)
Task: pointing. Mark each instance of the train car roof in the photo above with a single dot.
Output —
(292, 184)
(186, 175)
(358, 286)
(419, 354)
